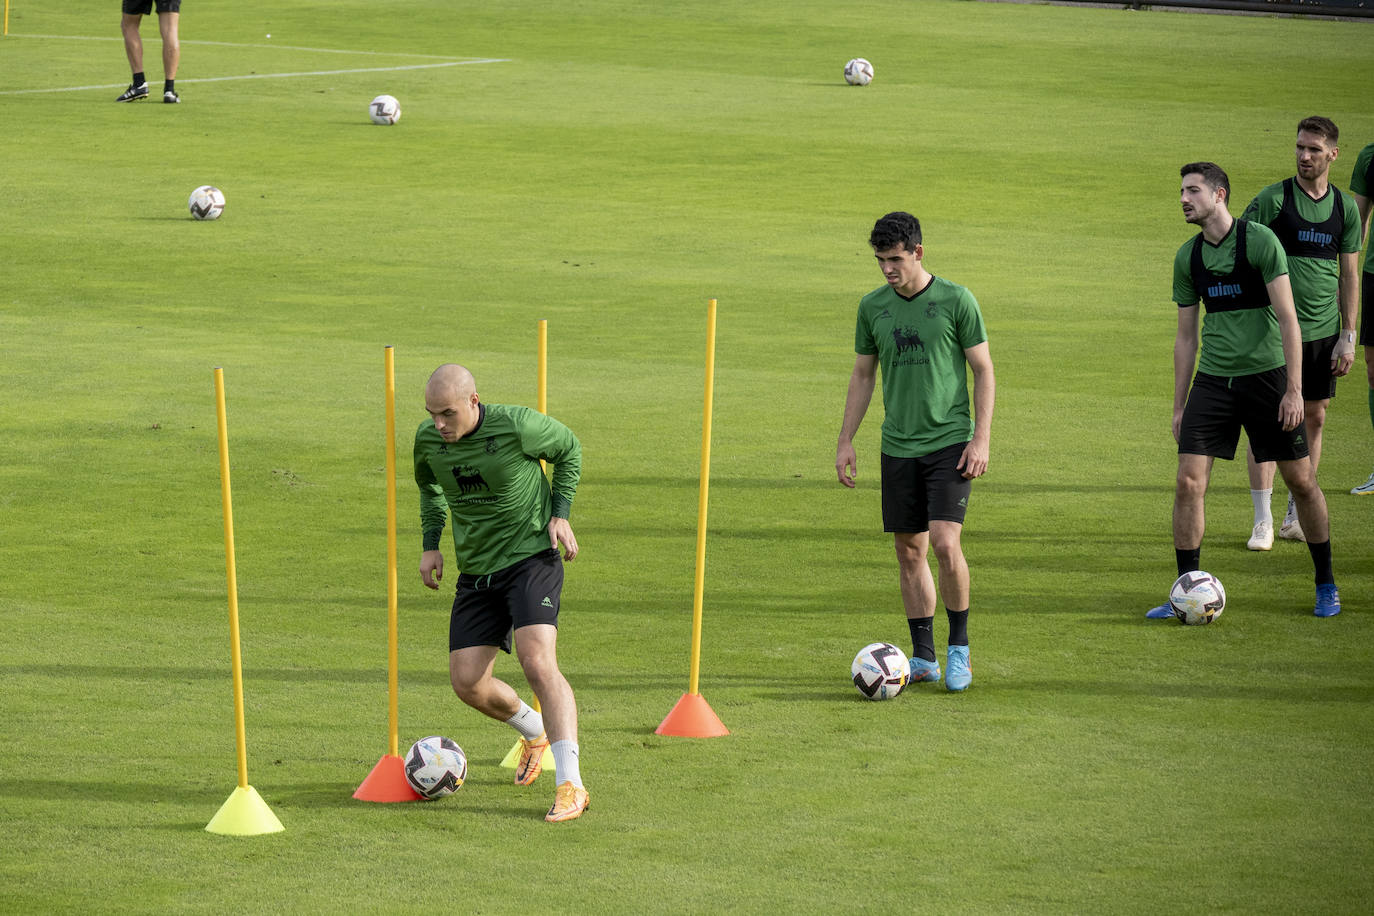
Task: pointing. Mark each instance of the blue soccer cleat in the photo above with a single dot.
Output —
(1328, 600)
(923, 671)
(958, 674)
(1163, 612)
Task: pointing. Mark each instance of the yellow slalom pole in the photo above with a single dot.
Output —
(693, 717)
(392, 658)
(244, 813)
(387, 782)
(7, 17)
(231, 574)
(541, 400)
(703, 489)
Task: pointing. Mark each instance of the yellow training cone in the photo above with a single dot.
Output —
(244, 813)
(512, 758)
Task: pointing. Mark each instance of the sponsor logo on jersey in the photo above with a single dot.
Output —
(469, 479)
(1316, 237)
(1221, 290)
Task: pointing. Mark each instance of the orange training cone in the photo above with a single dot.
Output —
(387, 783)
(692, 717)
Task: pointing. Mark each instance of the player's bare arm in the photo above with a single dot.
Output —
(561, 534)
(1185, 360)
(861, 382)
(432, 568)
(973, 462)
(1281, 300)
(1348, 296)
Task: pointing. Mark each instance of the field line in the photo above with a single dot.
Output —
(230, 44)
(269, 76)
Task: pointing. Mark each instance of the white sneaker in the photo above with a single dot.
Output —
(1290, 529)
(1262, 538)
(1366, 488)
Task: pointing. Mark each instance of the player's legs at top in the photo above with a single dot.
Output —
(1261, 492)
(1189, 520)
(918, 600)
(1311, 507)
(955, 590)
(171, 54)
(133, 49)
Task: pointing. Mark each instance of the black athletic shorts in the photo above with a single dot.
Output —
(1218, 407)
(486, 609)
(917, 491)
(1318, 384)
(144, 7)
(1366, 338)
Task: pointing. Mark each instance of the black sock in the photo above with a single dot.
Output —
(138, 78)
(1188, 560)
(958, 627)
(922, 637)
(169, 86)
(1321, 562)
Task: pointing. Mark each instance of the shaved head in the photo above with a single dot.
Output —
(451, 399)
(450, 380)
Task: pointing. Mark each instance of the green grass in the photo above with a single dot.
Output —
(626, 163)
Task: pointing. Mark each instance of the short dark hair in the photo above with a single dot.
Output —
(1323, 127)
(1212, 174)
(896, 228)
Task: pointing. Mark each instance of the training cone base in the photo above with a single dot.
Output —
(244, 813)
(692, 717)
(387, 783)
(512, 758)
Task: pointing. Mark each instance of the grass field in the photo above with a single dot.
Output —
(610, 166)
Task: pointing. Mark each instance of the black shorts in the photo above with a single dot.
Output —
(144, 7)
(1217, 408)
(917, 491)
(1318, 384)
(486, 609)
(1366, 338)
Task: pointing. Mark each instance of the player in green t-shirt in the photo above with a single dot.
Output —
(926, 333)
(1318, 225)
(1362, 189)
(480, 463)
(1248, 375)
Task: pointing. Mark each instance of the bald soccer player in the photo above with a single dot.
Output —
(480, 463)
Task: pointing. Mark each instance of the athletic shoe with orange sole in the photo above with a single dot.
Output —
(568, 803)
(531, 760)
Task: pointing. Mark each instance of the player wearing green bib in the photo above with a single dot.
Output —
(1247, 376)
(1362, 189)
(1318, 226)
(480, 463)
(926, 333)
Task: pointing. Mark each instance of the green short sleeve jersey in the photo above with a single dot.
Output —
(491, 483)
(1312, 236)
(920, 344)
(1362, 183)
(1235, 341)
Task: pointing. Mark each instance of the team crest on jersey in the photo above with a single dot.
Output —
(932, 309)
(469, 479)
(491, 445)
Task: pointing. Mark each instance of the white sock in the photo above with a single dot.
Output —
(527, 722)
(565, 767)
(1261, 500)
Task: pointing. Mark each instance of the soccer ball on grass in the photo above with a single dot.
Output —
(880, 670)
(435, 766)
(207, 202)
(858, 72)
(384, 109)
(1197, 598)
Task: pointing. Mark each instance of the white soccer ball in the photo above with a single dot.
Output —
(384, 109)
(858, 72)
(1197, 598)
(880, 670)
(207, 202)
(435, 766)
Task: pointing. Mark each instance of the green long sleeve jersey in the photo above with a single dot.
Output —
(491, 482)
